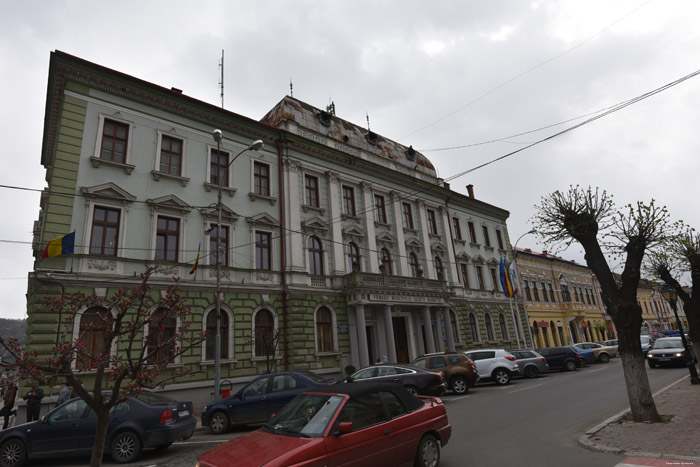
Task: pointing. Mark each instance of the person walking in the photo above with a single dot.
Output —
(33, 398)
(65, 394)
(8, 398)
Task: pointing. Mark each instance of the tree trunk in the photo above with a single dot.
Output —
(636, 379)
(100, 438)
(696, 350)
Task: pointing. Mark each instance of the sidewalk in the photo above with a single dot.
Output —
(677, 439)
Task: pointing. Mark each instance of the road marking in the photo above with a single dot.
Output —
(525, 389)
(204, 442)
(456, 398)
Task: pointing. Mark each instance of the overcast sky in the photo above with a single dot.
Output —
(432, 74)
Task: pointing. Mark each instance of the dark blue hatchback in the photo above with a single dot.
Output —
(259, 399)
(149, 421)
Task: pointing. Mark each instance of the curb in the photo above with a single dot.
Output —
(585, 441)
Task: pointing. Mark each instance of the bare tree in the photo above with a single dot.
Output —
(682, 255)
(147, 330)
(589, 217)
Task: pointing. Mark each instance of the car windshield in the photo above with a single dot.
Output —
(645, 339)
(307, 415)
(313, 376)
(152, 398)
(667, 344)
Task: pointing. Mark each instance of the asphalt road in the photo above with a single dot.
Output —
(536, 423)
(526, 424)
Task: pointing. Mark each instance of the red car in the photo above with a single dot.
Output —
(347, 424)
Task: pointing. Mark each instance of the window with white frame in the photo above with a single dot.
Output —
(489, 327)
(414, 264)
(474, 327)
(315, 250)
(380, 209)
(504, 327)
(104, 233)
(472, 232)
(457, 229)
(261, 178)
(167, 238)
(407, 215)
(465, 274)
(311, 191)
(115, 141)
(218, 167)
(172, 155)
(225, 336)
(353, 254)
(325, 341)
(222, 235)
(263, 258)
(385, 265)
(265, 335)
(432, 222)
(487, 238)
(349, 201)
(93, 324)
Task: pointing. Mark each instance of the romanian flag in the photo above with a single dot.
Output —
(196, 261)
(59, 246)
(505, 279)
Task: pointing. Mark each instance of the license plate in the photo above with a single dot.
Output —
(184, 413)
(663, 359)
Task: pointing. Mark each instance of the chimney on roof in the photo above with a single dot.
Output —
(470, 190)
(179, 91)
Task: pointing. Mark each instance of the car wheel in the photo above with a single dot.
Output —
(531, 371)
(604, 358)
(219, 423)
(13, 453)
(570, 365)
(428, 452)
(412, 389)
(164, 446)
(651, 364)
(501, 376)
(125, 447)
(460, 385)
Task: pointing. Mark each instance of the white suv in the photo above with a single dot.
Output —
(497, 365)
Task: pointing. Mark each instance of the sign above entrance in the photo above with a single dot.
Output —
(384, 297)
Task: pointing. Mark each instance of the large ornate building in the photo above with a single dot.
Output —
(343, 243)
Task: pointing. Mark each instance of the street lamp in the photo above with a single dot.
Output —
(527, 316)
(670, 294)
(218, 136)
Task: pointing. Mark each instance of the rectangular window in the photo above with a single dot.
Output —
(171, 155)
(105, 231)
(494, 278)
(115, 137)
(527, 291)
(472, 232)
(499, 239)
(465, 275)
(312, 191)
(565, 295)
(457, 229)
(487, 240)
(261, 179)
(535, 291)
(407, 215)
(262, 251)
(349, 200)
(218, 168)
(432, 225)
(379, 209)
(551, 293)
(480, 278)
(544, 291)
(167, 238)
(223, 244)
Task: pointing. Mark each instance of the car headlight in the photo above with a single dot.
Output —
(679, 354)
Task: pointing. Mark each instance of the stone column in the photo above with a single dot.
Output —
(361, 335)
(369, 223)
(450, 266)
(389, 326)
(428, 326)
(448, 330)
(429, 268)
(336, 225)
(295, 247)
(402, 260)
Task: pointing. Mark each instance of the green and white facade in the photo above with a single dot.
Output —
(343, 243)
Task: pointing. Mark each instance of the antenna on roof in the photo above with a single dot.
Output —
(331, 108)
(367, 113)
(221, 82)
(291, 88)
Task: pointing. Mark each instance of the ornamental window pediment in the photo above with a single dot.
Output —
(169, 202)
(108, 191)
(263, 219)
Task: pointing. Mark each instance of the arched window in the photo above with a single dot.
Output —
(413, 263)
(553, 328)
(210, 348)
(324, 330)
(504, 327)
(453, 324)
(386, 262)
(264, 333)
(92, 334)
(474, 327)
(489, 327)
(439, 270)
(353, 254)
(161, 336)
(315, 256)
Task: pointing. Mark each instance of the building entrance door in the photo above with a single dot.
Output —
(400, 339)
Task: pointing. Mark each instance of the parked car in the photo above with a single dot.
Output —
(344, 424)
(666, 351)
(612, 343)
(259, 399)
(530, 362)
(587, 355)
(647, 344)
(561, 358)
(497, 365)
(603, 353)
(458, 370)
(416, 380)
(149, 421)
(657, 334)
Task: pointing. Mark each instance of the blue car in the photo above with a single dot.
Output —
(587, 355)
(148, 421)
(259, 399)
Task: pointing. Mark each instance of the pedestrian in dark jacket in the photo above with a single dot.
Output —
(8, 397)
(33, 398)
(65, 394)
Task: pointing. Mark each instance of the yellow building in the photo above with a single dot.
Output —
(562, 300)
(656, 312)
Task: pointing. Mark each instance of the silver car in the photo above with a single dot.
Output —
(530, 362)
(497, 365)
(666, 351)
